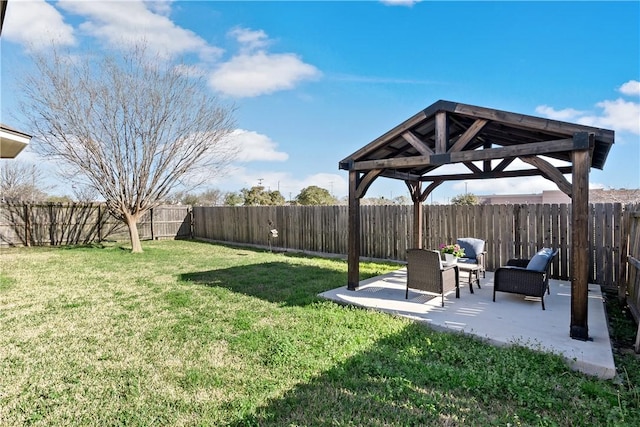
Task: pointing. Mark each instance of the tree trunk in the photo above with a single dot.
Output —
(132, 224)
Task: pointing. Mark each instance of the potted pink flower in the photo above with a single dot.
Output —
(451, 252)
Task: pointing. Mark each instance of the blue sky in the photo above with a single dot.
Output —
(315, 81)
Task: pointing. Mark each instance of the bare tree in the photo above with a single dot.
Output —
(21, 182)
(132, 126)
(211, 197)
(84, 193)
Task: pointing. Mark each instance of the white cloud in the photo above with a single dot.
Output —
(130, 22)
(161, 7)
(250, 40)
(632, 87)
(260, 73)
(620, 115)
(253, 147)
(254, 71)
(408, 3)
(36, 24)
(567, 114)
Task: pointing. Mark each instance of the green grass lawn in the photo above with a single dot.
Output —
(191, 333)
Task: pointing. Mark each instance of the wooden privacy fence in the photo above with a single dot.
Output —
(633, 288)
(81, 223)
(510, 231)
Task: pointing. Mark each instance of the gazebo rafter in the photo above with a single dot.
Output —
(447, 133)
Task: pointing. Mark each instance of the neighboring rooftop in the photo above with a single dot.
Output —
(622, 195)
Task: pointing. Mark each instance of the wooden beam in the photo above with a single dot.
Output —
(531, 122)
(429, 190)
(442, 132)
(353, 255)
(550, 172)
(486, 164)
(530, 149)
(503, 164)
(468, 135)
(492, 174)
(579, 328)
(394, 174)
(414, 189)
(384, 139)
(473, 168)
(417, 143)
(365, 182)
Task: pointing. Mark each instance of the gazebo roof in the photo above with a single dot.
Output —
(449, 132)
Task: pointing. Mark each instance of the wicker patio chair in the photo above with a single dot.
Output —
(474, 252)
(426, 273)
(524, 276)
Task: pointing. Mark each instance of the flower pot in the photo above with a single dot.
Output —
(450, 258)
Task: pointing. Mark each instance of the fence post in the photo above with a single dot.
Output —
(99, 224)
(52, 241)
(516, 230)
(27, 226)
(151, 220)
(623, 276)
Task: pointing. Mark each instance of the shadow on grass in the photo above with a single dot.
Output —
(416, 377)
(278, 282)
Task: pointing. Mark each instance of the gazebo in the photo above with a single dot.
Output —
(486, 141)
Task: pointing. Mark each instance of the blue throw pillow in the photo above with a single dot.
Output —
(540, 260)
(472, 247)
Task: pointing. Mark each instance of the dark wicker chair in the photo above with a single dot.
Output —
(425, 273)
(474, 252)
(524, 276)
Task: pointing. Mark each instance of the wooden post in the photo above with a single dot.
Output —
(442, 132)
(580, 238)
(353, 255)
(415, 188)
(417, 224)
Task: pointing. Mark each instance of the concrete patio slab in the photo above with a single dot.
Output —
(512, 319)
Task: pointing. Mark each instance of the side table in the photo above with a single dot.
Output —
(473, 272)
